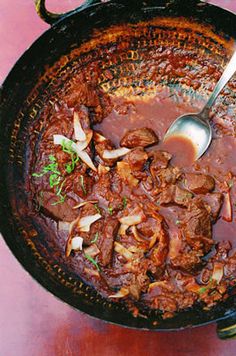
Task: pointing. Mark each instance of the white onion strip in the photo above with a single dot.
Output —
(83, 203)
(112, 154)
(123, 292)
(85, 222)
(78, 131)
(77, 243)
(123, 251)
(61, 139)
(63, 226)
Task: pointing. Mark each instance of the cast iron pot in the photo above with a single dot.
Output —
(124, 30)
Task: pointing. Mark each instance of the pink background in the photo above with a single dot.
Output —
(32, 321)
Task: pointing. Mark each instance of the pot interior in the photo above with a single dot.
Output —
(134, 60)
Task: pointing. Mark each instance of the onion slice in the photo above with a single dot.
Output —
(60, 139)
(123, 292)
(85, 222)
(76, 243)
(92, 250)
(136, 234)
(125, 173)
(227, 214)
(98, 137)
(63, 226)
(123, 251)
(135, 218)
(112, 154)
(78, 131)
(102, 170)
(83, 203)
(84, 144)
(91, 272)
(122, 229)
(218, 272)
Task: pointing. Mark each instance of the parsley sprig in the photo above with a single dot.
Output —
(67, 148)
(55, 178)
(92, 261)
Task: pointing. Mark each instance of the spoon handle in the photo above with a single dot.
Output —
(226, 76)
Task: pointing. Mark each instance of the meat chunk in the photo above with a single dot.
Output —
(107, 240)
(160, 160)
(137, 159)
(90, 96)
(60, 211)
(104, 189)
(187, 261)
(160, 250)
(169, 175)
(79, 184)
(214, 201)
(140, 137)
(197, 227)
(199, 183)
(175, 195)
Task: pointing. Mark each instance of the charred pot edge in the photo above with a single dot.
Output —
(52, 18)
(226, 329)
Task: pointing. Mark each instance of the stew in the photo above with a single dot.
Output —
(137, 218)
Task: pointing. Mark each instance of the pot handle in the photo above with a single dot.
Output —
(52, 18)
(226, 328)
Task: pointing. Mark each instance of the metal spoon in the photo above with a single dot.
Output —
(196, 127)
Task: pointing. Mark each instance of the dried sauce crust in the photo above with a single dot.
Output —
(141, 227)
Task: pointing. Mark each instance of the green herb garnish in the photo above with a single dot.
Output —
(54, 178)
(82, 185)
(110, 210)
(92, 261)
(58, 193)
(52, 158)
(178, 222)
(95, 238)
(67, 148)
(124, 202)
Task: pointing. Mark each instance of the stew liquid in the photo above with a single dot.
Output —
(137, 218)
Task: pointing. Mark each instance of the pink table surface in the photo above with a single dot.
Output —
(32, 321)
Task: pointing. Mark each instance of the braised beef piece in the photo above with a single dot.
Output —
(214, 201)
(160, 250)
(91, 96)
(137, 159)
(160, 160)
(139, 283)
(106, 240)
(104, 189)
(60, 211)
(80, 184)
(199, 183)
(197, 226)
(140, 137)
(173, 194)
(168, 175)
(188, 261)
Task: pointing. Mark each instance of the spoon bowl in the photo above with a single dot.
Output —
(192, 127)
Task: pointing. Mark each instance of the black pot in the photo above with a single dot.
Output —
(22, 96)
